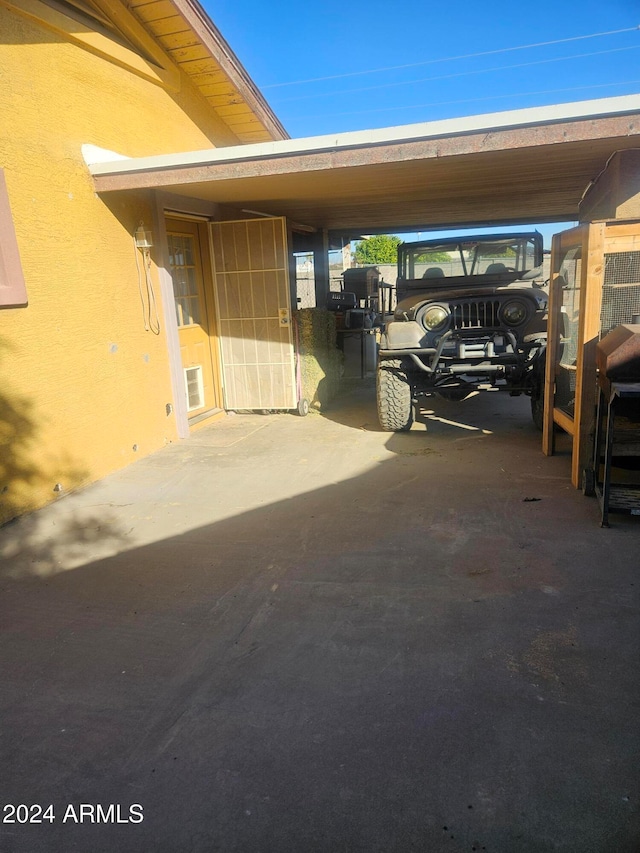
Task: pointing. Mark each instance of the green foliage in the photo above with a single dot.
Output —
(378, 249)
(496, 252)
(431, 257)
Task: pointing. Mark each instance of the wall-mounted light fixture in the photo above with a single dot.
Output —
(143, 240)
(143, 237)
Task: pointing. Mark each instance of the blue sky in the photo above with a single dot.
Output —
(333, 67)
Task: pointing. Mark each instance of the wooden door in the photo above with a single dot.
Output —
(194, 303)
(251, 273)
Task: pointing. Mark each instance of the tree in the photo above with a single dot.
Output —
(378, 249)
(433, 257)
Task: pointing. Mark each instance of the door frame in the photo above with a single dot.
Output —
(173, 207)
(199, 230)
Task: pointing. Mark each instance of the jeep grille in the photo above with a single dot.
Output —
(477, 314)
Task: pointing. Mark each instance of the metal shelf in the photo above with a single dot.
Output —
(613, 442)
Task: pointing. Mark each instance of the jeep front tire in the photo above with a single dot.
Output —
(393, 392)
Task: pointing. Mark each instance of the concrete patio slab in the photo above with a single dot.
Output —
(303, 634)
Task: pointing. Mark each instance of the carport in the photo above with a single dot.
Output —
(518, 167)
(522, 166)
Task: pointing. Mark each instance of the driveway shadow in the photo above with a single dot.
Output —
(356, 666)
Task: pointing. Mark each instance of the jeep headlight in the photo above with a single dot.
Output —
(514, 313)
(435, 317)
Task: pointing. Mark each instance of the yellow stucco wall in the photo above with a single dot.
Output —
(81, 381)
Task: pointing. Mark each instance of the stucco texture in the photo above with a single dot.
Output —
(84, 387)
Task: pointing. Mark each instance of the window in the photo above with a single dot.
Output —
(183, 274)
(13, 292)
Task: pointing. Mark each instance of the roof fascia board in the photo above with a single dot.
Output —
(214, 41)
(581, 110)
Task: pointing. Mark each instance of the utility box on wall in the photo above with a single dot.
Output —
(594, 287)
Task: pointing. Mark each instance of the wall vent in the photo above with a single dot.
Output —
(194, 387)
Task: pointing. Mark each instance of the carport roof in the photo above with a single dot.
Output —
(522, 166)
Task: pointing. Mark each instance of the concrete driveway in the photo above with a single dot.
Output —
(294, 634)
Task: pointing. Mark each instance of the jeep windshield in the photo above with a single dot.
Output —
(502, 257)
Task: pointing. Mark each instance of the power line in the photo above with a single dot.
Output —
(469, 100)
(457, 74)
(451, 58)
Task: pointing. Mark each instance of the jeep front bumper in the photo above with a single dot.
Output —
(460, 353)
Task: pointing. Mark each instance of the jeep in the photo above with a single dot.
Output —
(470, 314)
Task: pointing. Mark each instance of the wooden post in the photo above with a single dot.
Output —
(553, 324)
(562, 243)
(588, 335)
(321, 266)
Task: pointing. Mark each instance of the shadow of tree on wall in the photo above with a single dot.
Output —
(17, 438)
(27, 478)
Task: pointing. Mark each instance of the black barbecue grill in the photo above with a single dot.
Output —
(617, 435)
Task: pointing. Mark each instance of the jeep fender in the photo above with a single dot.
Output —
(403, 335)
